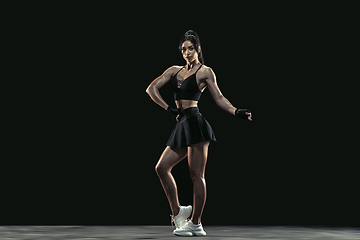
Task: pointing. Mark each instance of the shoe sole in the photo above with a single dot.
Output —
(190, 234)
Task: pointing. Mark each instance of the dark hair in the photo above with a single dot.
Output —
(194, 39)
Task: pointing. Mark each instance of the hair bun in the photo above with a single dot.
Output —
(190, 33)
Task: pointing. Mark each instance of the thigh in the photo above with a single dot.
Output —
(171, 156)
(197, 157)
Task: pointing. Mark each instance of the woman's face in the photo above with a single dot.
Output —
(188, 51)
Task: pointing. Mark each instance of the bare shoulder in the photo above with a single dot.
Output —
(207, 72)
(172, 70)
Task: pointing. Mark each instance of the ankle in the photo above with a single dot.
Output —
(176, 211)
(195, 222)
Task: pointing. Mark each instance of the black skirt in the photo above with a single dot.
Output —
(191, 128)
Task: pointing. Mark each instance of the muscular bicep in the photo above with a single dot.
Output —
(160, 81)
(212, 84)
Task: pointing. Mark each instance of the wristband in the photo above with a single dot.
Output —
(174, 111)
(241, 113)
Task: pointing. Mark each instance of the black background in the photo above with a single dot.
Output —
(90, 136)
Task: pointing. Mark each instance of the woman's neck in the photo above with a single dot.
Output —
(191, 65)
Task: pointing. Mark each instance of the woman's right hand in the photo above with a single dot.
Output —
(174, 111)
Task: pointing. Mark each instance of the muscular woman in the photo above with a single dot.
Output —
(192, 134)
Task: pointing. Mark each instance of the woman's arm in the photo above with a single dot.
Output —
(153, 88)
(220, 100)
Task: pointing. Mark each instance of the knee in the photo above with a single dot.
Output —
(160, 169)
(157, 168)
(196, 175)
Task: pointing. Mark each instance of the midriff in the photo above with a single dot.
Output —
(184, 104)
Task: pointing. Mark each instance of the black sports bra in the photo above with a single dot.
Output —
(186, 89)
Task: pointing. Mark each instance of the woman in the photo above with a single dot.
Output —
(192, 134)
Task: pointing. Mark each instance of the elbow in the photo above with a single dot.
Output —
(150, 91)
(219, 100)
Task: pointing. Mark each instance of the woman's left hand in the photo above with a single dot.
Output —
(249, 116)
(244, 114)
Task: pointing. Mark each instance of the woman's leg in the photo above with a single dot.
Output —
(197, 156)
(169, 158)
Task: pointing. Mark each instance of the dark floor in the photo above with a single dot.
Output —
(165, 232)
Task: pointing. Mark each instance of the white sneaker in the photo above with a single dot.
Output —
(183, 215)
(190, 229)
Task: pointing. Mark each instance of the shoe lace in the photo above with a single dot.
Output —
(186, 222)
(172, 220)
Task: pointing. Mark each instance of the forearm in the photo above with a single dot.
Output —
(225, 104)
(156, 97)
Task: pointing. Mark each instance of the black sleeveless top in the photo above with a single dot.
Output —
(186, 89)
